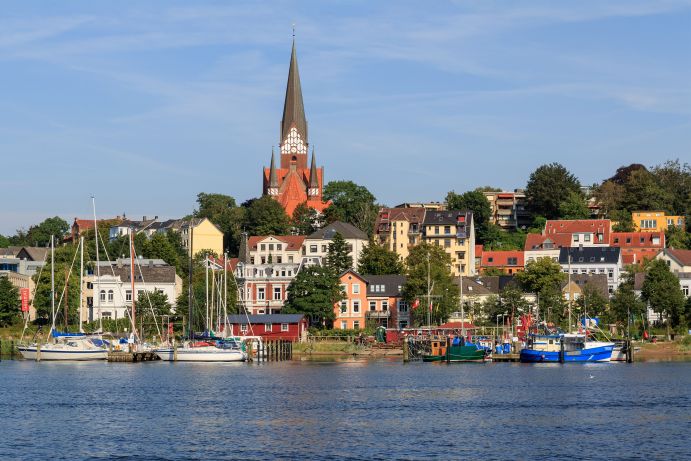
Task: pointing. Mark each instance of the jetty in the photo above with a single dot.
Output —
(124, 356)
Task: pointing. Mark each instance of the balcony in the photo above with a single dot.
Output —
(378, 314)
(505, 202)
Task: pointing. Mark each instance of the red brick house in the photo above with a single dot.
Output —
(291, 327)
(636, 247)
(507, 261)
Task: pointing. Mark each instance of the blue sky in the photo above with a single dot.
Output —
(145, 104)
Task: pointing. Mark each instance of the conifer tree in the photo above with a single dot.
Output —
(338, 258)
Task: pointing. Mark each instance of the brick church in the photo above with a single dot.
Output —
(292, 182)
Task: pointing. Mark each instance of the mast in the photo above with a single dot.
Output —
(97, 294)
(462, 309)
(189, 285)
(568, 330)
(134, 317)
(52, 278)
(206, 284)
(225, 293)
(429, 295)
(81, 282)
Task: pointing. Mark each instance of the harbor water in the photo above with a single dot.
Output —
(344, 410)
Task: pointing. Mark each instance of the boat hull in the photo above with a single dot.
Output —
(31, 353)
(594, 354)
(468, 353)
(202, 354)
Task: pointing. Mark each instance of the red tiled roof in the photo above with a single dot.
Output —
(535, 241)
(294, 241)
(478, 250)
(570, 226)
(619, 239)
(682, 256)
(501, 258)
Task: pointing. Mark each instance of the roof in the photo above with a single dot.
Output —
(385, 285)
(294, 241)
(493, 283)
(472, 287)
(9, 252)
(33, 253)
(447, 217)
(589, 255)
(597, 281)
(386, 215)
(478, 250)
(501, 258)
(539, 241)
(152, 275)
(681, 257)
(637, 239)
(293, 108)
(570, 226)
(267, 318)
(347, 231)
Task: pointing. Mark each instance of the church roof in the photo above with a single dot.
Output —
(293, 108)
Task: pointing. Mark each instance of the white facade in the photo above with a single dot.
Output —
(316, 250)
(263, 288)
(611, 270)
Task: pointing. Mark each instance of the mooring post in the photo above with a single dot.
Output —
(175, 351)
(248, 348)
(629, 351)
(448, 347)
(12, 350)
(38, 352)
(0, 350)
(406, 350)
(561, 351)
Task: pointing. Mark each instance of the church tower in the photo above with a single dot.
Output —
(294, 182)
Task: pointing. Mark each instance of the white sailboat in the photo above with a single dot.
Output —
(206, 349)
(65, 346)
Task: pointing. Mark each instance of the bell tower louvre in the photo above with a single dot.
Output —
(294, 182)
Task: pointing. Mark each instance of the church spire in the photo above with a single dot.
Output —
(314, 179)
(293, 109)
(273, 178)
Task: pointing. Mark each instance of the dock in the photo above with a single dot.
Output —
(506, 357)
(122, 356)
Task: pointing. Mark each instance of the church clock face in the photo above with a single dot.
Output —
(293, 143)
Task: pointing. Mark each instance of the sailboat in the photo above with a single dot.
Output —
(207, 348)
(63, 345)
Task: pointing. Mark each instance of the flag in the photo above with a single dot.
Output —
(416, 304)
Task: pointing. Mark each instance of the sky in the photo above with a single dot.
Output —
(145, 104)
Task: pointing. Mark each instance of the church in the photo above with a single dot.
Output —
(292, 182)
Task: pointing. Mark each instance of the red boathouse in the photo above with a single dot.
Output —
(291, 327)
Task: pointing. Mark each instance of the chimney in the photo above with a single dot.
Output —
(244, 253)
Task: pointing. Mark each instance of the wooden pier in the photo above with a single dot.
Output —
(122, 356)
(506, 357)
(270, 351)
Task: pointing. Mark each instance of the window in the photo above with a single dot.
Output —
(447, 229)
(628, 240)
(268, 327)
(356, 306)
(324, 249)
(586, 237)
(279, 259)
(616, 240)
(110, 296)
(344, 325)
(648, 223)
(344, 306)
(575, 237)
(402, 306)
(356, 325)
(372, 306)
(128, 295)
(290, 259)
(385, 306)
(513, 261)
(490, 259)
(277, 292)
(447, 243)
(610, 273)
(436, 230)
(263, 259)
(261, 293)
(279, 247)
(106, 315)
(271, 247)
(284, 327)
(356, 288)
(263, 247)
(313, 248)
(243, 327)
(102, 297)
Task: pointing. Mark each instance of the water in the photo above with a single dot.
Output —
(344, 410)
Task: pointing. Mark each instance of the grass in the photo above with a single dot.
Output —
(327, 347)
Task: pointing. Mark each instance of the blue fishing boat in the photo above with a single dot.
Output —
(565, 348)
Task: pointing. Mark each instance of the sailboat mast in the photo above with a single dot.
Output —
(190, 309)
(81, 282)
(52, 277)
(462, 309)
(134, 317)
(225, 291)
(206, 263)
(97, 293)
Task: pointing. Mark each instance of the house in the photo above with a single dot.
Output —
(507, 261)
(317, 244)
(80, 226)
(109, 294)
(678, 261)
(636, 247)
(23, 260)
(266, 266)
(124, 227)
(593, 260)
(399, 229)
(26, 286)
(538, 246)
(574, 286)
(508, 209)
(684, 284)
(453, 231)
(205, 236)
(385, 303)
(436, 206)
(582, 232)
(656, 221)
(291, 327)
(350, 311)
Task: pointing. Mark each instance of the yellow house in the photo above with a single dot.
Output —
(655, 221)
(454, 231)
(206, 236)
(400, 229)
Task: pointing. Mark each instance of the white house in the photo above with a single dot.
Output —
(316, 245)
(593, 260)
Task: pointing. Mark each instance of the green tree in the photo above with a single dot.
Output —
(159, 247)
(338, 258)
(9, 302)
(663, 293)
(676, 237)
(540, 275)
(305, 220)
(622, 221)
(591, 302)
(39, 235)
(513, 302)
(687, 313)
(223, 212)
(548, 186)
(476, 202)
(153, 304)
(574, 207)
(351, 203)
(498, 239)
(314, 292)
(624, 301)
(609, 195)
(265, 216)
(431, 261)
(4, 241)
(378, 260)
(642, 192)
(675, 179)
(66, 288)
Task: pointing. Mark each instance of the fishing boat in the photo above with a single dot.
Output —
(458, 350)
(571, 347)
(65, 345)
(206, 347)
